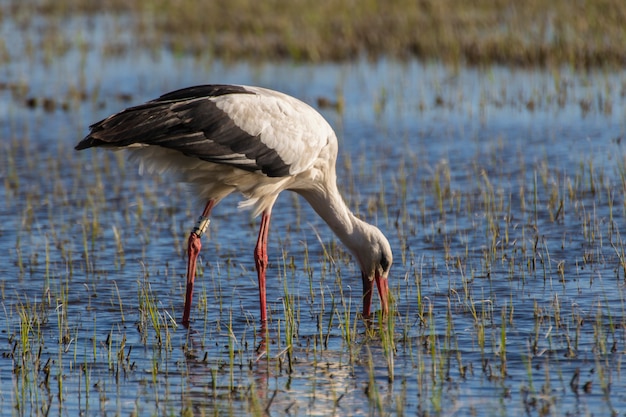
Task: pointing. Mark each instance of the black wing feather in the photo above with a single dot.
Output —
(190, 122)
(199, 91)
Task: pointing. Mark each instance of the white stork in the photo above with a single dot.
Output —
(225, 138)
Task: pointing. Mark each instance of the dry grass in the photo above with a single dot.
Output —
(533, 32)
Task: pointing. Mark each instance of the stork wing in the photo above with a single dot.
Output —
(248, 127)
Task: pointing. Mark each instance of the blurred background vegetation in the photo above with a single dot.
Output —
(522, 33)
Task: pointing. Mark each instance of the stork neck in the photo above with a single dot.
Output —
(330, 206)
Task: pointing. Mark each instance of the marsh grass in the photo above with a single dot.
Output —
(508, 276)
(480, 32)
(290, 321)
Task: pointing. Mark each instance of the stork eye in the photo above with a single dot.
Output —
(384, 263)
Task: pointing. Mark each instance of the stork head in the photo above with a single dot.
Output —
(375, 260)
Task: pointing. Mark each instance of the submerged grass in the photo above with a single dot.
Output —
(508, 280)
(468, 313)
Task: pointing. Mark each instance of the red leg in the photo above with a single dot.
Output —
(194, 245)
(260, 259)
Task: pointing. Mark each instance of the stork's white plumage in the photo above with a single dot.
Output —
(259, 142)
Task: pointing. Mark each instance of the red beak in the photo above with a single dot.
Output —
(383, 291)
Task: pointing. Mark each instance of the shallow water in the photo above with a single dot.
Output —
(501, 191)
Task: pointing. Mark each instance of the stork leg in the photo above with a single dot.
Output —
(261, 260)
(194, 244)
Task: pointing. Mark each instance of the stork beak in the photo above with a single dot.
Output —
(383, 291)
